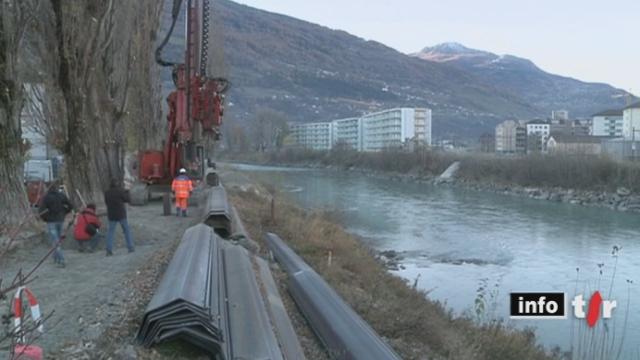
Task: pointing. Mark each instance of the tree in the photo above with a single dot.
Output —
(269, 128)
(94, 56)
(237, 138)
(14, 17)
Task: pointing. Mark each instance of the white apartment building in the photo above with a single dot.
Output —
(315, 136)
(607, 123)
(423, 125)
(537, 136)
(348, 132)
(631, 122)
(395, 127)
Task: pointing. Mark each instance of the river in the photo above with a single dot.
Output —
(466, 245)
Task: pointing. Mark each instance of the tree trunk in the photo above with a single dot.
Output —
(13, 201)
(103, 51)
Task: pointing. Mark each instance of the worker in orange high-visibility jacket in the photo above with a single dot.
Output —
(182, 188)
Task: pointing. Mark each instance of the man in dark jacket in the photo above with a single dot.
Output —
(55, 206)
(115, 199)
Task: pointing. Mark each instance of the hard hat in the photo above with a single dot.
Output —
(183, 171)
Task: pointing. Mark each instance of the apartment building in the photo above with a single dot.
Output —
(607, 123)
(423, 125)
(348, 132)
(511, 137)
(631, 122)
(315, 136)
(395, 128)
(537, 136)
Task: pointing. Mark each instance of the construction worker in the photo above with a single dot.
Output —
(182, 188)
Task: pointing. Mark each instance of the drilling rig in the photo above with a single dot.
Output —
(195, 109)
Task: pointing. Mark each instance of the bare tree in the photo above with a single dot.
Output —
(96, 61)
(144, 124)
(269, 129)
(14, 19)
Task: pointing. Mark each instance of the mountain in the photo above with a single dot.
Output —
(314, 73)
(524, 79)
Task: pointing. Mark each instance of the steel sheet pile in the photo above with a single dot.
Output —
(209, 297)
(187, 304)
(217, 211)
(345, 334)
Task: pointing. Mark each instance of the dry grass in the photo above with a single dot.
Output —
(569, 172)
(415, 326)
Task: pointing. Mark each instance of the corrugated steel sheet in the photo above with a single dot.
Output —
(210, 297)
(217, 211)
(186, 303)
(250, 330)
(291, 348)
(344, 333)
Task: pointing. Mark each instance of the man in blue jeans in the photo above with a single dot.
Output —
(53, 209)
(115, 199)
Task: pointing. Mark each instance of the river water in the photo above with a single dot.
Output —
(465, 245)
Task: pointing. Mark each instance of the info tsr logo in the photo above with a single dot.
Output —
(551, 305)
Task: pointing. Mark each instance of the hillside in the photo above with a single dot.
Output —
(524, 79)
(313, 73)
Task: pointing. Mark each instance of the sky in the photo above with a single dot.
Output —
(591, 40)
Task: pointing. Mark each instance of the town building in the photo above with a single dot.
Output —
(396, 128)
(423, 126)
(538, 132)
(348, 132)
(567, 144)
(631, 122)
(511, 137)
(315, 136)
(607, 123)
(621, 149)
(405, 128)
(559, 116)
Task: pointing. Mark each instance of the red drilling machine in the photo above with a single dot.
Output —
(195, 110)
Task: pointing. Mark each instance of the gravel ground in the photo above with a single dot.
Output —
(97, 303)
(93, 292)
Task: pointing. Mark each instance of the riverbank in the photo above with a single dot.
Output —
(415, 326)
(583, 181)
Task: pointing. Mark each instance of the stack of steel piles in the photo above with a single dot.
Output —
(345, 334)
(187, 304)
(217, 211)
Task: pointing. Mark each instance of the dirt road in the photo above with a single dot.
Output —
(90, 295)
